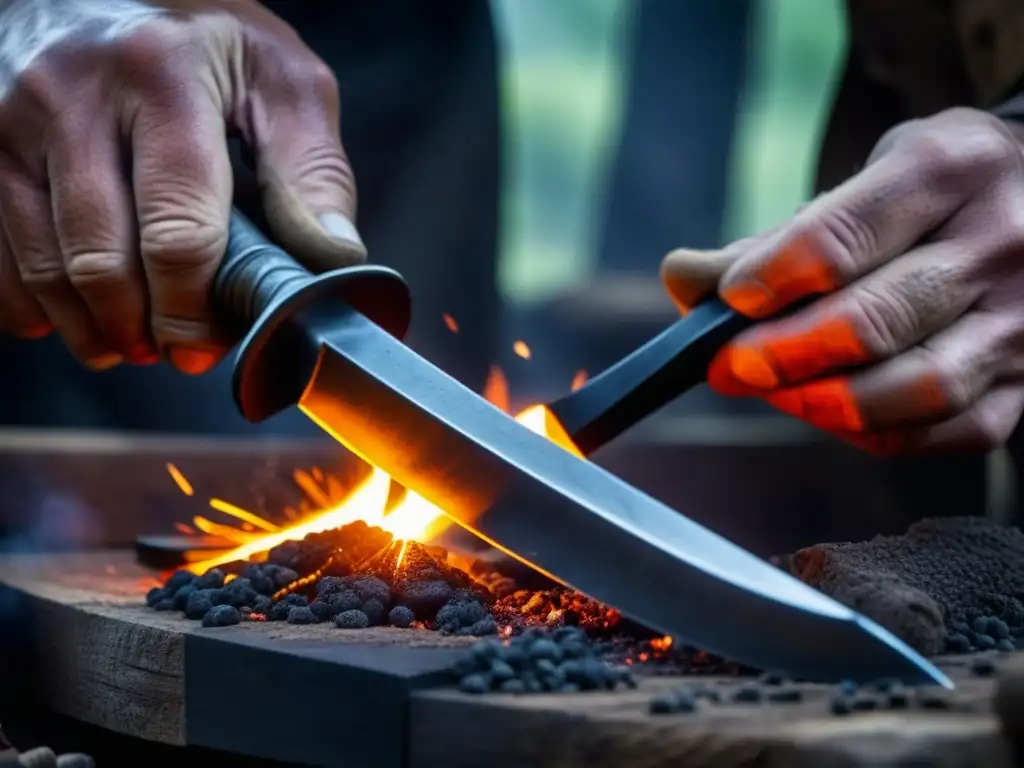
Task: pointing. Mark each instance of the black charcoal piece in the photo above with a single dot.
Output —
(933, 700)
(983, 642)
(983, 667)
(708, 694)
(1006, 646)
(685, 702)
(372, 588)
(182, 595)
(221, 616)
(664, 704)
(748, 693)
(261, 604)
(375, 612)
(897, 699)
(155, 595)
(885, 684)
(514, 685)
(330, 585)
(301, 615)
(177, 580)
(785, 694)
(400, 616)
(483, 628)
(841, 705)
(544, 648)
(773, 677)
(345, 600)
(323, 611)
(456, 616)
(167, 604)
(864, 702)
(487, 650)
(212, 579)
(352, 620)
(475, 684)
(284, 576)
(199, 604)
(425, 598)
(239, 592)
(569, 688)
(501, 670)
(957, 643)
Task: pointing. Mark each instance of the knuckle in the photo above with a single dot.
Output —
(97, 270)
(178, 244)
(42, 276)
(844, 238)
(884, 321)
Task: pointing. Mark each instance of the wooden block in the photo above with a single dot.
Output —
(615, 730)
(322, 696)
(311, 694)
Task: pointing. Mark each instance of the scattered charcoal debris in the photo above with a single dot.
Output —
(538, 661)
(681, 701)
(933, 699)
(773, 677)
(968, 570)
(785, 694)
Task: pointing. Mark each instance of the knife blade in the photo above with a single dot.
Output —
(331, 345)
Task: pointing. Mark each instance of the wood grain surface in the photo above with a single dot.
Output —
(323, 696)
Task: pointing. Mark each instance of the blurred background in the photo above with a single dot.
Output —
(635, 127)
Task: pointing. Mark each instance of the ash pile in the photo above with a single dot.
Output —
(947, 585)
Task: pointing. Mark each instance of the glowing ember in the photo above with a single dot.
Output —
(496, 389)
(579, 380)
(180, 480)
(521, 349)
(450, 322)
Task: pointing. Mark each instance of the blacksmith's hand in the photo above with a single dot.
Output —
(915, 342)
(115, 180)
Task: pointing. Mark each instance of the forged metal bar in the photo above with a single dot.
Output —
(331, 345)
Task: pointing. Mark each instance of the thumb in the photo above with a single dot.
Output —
(690, 276)
(308, 189)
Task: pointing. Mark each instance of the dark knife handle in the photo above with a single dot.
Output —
(253, 275)
(661, 370)
(284, 311)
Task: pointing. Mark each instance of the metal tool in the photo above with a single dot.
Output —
(331, 344)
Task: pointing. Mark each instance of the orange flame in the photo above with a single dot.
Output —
(413, 518)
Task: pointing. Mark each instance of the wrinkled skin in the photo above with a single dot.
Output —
(115, 181)
(913, 340)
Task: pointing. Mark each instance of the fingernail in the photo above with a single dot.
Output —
(104, 361)
(749, 298)
(340, 228)
(750, 367)
(192, 361)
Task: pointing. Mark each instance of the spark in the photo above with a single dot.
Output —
(522, 349)
(180, 480)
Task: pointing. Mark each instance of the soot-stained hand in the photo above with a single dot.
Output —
(913, 340)
(115, 180)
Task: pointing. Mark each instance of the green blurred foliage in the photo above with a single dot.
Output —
(564, 64)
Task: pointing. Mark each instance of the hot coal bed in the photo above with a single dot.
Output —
(952, 585)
